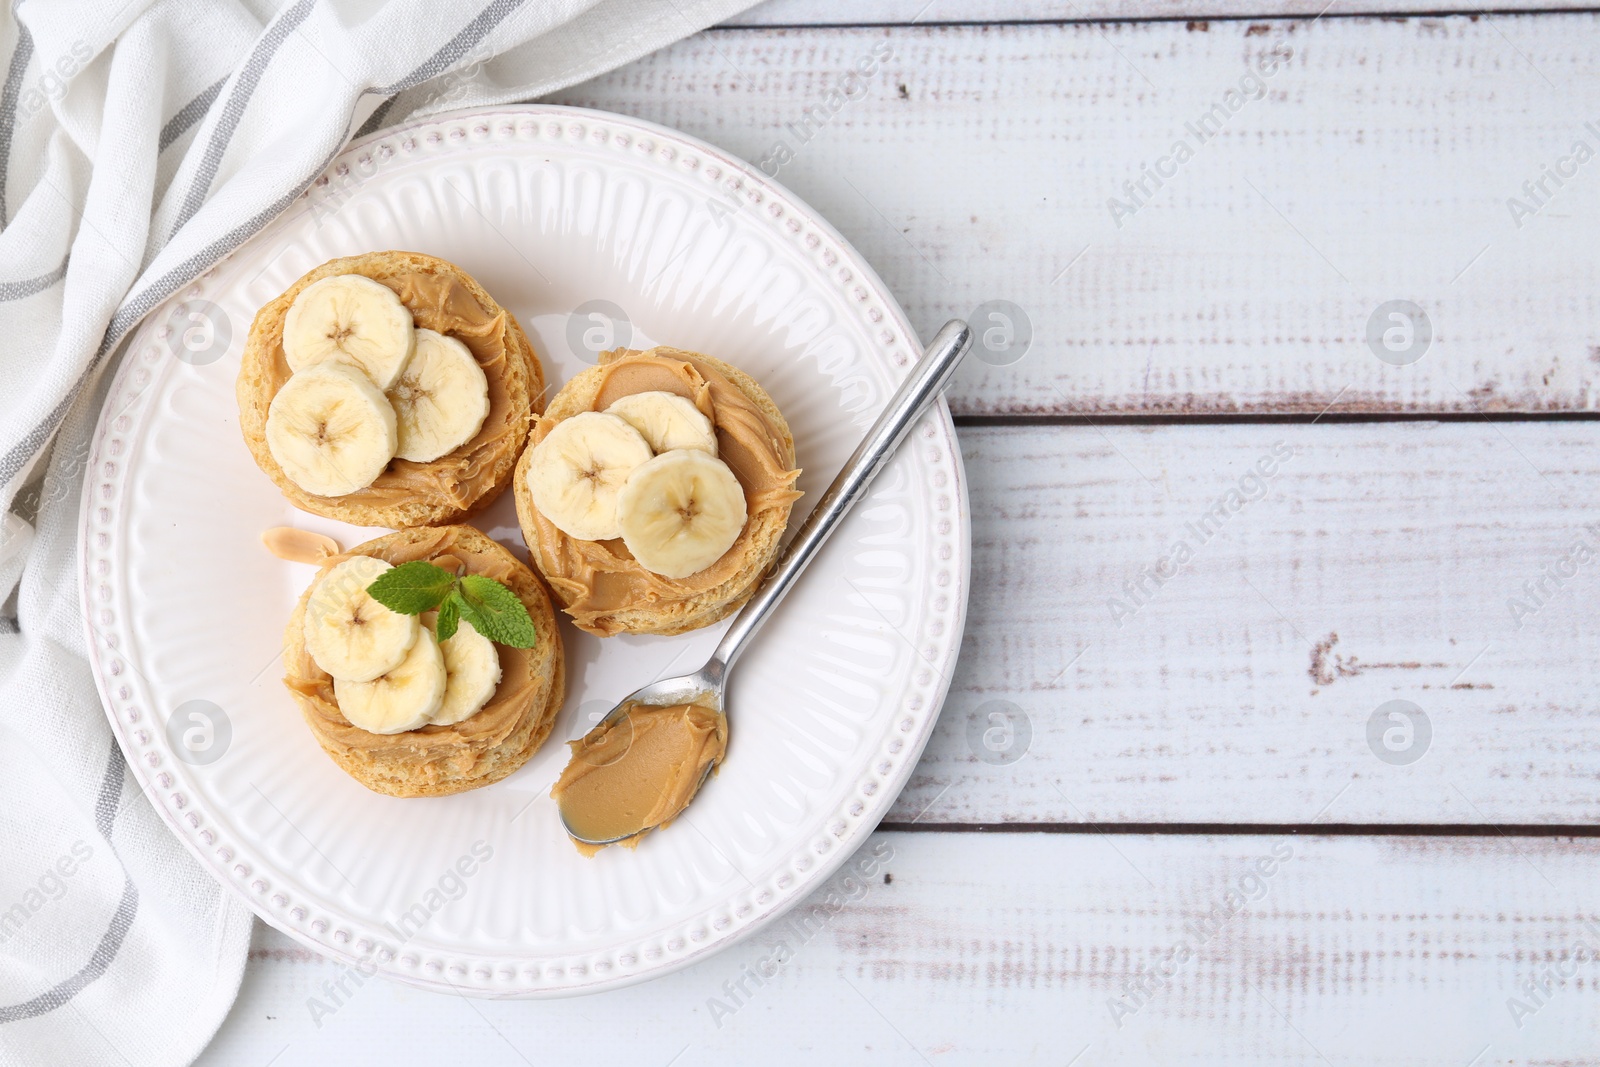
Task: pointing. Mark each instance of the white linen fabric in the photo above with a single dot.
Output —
(140, 142)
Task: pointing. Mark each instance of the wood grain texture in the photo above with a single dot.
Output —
(1013, 949)
(1379, 565)
(924, 12)
(977, 163)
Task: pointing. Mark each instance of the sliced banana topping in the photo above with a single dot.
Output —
(402, 699)
(575, 474)
(472, 672)
(680, 512)
(667, 421)
(440, 399)
(351, 319)
(331, 430)
(348, 633)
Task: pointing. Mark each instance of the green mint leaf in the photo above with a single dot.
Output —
(496, 612)
(470, 614)
(449, 616)
(412, 588)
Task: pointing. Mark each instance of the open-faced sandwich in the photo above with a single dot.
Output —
(654, 491)
(388, 389)
(426, 661)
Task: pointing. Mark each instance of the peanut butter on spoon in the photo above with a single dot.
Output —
(637, 771)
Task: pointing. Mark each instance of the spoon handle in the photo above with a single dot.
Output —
(921, 387)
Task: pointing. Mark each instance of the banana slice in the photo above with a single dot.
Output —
(440, 399)
(404, 698)
(667, 421)
(349, 634)
(351, 319)
(574, 474)
(331, 430)
(680, 512)
(472, 671)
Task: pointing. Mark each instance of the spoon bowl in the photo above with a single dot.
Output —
(703, 687)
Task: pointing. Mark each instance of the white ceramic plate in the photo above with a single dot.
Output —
(550, 208)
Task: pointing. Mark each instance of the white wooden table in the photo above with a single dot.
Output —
(1200, 841)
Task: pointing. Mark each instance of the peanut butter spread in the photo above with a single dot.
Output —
(299, 546)
(519, 680)
(441, 303)
(596, 578)
(639, 771)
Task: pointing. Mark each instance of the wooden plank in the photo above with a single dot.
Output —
(1014, 948)
(977, 163)
(906, 12)
(1380, 564)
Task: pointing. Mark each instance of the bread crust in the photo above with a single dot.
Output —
(766, 529)
(434, 760)
(521, 375)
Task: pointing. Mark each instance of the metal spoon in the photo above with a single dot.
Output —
(706, 685)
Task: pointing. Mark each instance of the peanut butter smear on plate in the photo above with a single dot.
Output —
(639, 771)
(299, 546)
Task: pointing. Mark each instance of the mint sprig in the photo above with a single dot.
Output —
(493, 610)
